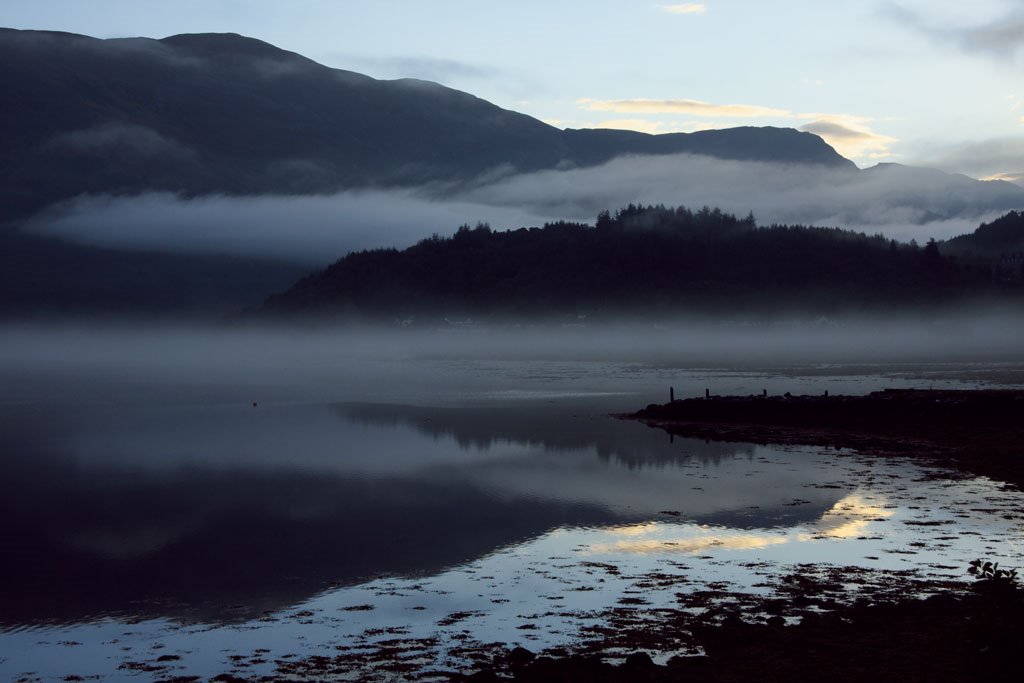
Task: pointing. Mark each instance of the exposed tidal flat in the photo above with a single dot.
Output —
(283, 504)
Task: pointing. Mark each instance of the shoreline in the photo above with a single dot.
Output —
(975, 431)
(958, 632)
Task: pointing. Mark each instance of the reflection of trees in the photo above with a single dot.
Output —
(554, 429)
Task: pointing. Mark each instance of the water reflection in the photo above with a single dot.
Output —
(849, 517)
(554, 426)
(220, 514)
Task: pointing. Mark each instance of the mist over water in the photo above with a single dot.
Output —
(311, 358)
(216, 486)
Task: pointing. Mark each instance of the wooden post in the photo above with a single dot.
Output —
(671, 394)
(764, 392)
(826, 393)
(707, 393)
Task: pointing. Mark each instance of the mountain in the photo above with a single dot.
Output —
(222, 113)
(640, 261)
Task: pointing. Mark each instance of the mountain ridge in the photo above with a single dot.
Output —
(224, 113)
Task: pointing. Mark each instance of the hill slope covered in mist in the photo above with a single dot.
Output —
(641, 260)
(222, 113)
(88, 126)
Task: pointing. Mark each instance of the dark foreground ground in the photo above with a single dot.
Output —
(973, 637)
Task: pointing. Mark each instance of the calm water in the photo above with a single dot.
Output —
(204, 497)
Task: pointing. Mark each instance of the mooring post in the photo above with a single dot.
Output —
(707, 393)
(671, 394)
(764, 392)
(826, 393)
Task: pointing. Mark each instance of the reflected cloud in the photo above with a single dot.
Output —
(701, 540)
(849, 518)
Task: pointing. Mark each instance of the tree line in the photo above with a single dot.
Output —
(639, 258)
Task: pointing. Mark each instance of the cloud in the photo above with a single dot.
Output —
(993, 159)
(897, 201)
(1016, 178)
(849, 135)
(313, 230)
(1002, 38)
(409, 66)
(684, 8)
(694, 107)
(641, 125)
(122, 138)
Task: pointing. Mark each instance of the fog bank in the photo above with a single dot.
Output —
(900, 202)
(354, 363)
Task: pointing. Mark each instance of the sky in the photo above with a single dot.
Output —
(925, 82)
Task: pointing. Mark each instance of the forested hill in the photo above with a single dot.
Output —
(639, 260)
(1003, 237)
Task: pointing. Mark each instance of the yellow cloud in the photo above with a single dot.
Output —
(849, 135)
(684, 8)
(695, 107)
(639, 125)
(1008, 177)
(850, 517)
(633, 530)
(638, 546)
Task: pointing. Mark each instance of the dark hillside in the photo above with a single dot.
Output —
(1002, 236)
(642, 259)
(222, 113)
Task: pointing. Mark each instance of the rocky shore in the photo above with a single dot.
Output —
(946, 637)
